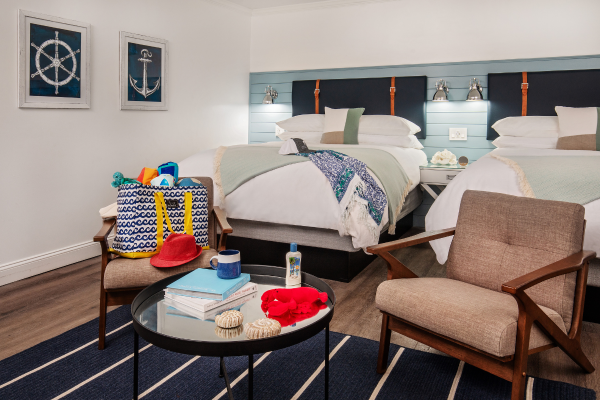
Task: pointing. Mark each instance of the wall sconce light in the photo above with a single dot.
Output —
(475, 90)
(270, 96)
(441, 94)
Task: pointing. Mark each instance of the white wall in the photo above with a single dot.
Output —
(401, 32)
(56, 165)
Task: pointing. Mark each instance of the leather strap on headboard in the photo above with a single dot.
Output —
(392, 95)
(524, 88)
(317, 91)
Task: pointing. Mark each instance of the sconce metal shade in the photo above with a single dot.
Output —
(270, 96)
(475, 90)
(441, 94)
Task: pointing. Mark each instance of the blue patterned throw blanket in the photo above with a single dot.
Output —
(352, 185)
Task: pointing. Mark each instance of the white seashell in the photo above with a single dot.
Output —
(229, 319)
(262, 328)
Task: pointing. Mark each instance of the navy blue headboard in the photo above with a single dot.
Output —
(371, 93)
(576, 88)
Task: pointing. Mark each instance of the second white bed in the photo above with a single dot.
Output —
(491, 175)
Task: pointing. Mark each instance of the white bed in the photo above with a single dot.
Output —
(297, 194)
(491, 175)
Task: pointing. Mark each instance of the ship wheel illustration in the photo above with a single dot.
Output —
(56, 62)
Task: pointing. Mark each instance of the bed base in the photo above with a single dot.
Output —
(591, 308)
(337, 265)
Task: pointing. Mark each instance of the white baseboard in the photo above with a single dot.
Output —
(27, 267)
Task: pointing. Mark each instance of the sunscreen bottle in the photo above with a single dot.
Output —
(292, 260)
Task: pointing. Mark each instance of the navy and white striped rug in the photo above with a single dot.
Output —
(70, 366)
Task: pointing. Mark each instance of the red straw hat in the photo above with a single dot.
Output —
(177, 249)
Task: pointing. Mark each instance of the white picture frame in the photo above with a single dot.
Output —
(138, 90)
(44, 82)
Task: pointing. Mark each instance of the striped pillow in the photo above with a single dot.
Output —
(579, 128)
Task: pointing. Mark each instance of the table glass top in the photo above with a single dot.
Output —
(443, 166)
(170, 318)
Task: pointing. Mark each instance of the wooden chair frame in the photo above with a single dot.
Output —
(511, 368)
(117, 297)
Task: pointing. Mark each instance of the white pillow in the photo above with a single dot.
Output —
(388, 125)
(304, 123)
(577, 121)
(525, 142)
(408, 141)
(335, 119)
(527, 126)
(308, 137)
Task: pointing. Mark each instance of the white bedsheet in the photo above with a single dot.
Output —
(297, 194)
(491, 175)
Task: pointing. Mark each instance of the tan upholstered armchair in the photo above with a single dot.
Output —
(516, 280)
(123, 278)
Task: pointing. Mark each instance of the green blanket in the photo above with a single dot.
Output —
(564, 178)
(236, 165)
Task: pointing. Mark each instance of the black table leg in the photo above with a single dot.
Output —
(327, 362)
(221, 368)
(136, 361)
(250, 377)
(226, 378)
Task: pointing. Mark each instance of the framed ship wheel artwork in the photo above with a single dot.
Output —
(53, 62)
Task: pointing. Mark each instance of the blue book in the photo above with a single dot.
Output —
(204, 284)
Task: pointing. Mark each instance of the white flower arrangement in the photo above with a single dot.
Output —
(444, 157)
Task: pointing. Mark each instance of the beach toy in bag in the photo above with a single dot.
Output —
(163, 180)
(169, 168)
(189, 182)
(147, 175)
(146, 215)
(119, 179)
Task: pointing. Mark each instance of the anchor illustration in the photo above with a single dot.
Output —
(144, 91)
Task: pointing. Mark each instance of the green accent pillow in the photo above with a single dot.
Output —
(351, 127)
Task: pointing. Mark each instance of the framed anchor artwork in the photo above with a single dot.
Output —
(143, 78)
(54, 62)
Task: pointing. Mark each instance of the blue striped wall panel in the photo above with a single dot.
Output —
(263, 117)
(442, 130)
(456, 113)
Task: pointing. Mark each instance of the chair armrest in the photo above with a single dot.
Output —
(107, 227)
(566, 265)
(411, 241)
(222, 220)
(224, 225)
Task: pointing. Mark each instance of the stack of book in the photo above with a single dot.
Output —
(203, 295)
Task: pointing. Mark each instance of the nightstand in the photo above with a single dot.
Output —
(438, 175)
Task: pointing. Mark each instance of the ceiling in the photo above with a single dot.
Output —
(257, 4)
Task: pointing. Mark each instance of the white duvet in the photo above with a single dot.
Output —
(297, 194)
(491, 175)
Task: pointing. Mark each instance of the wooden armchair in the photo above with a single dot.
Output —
(123, 278)
(515, 286)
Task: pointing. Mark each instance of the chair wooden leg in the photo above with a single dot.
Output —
(519, 378)
(384, 344)
(102, 320)
(574, 351)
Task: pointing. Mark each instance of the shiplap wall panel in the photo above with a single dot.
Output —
(441, 116)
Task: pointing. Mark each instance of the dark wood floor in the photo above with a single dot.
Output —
(41, 307)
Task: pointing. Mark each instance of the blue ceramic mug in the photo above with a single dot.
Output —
(228, 264)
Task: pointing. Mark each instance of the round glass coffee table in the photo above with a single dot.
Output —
(158, 322)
